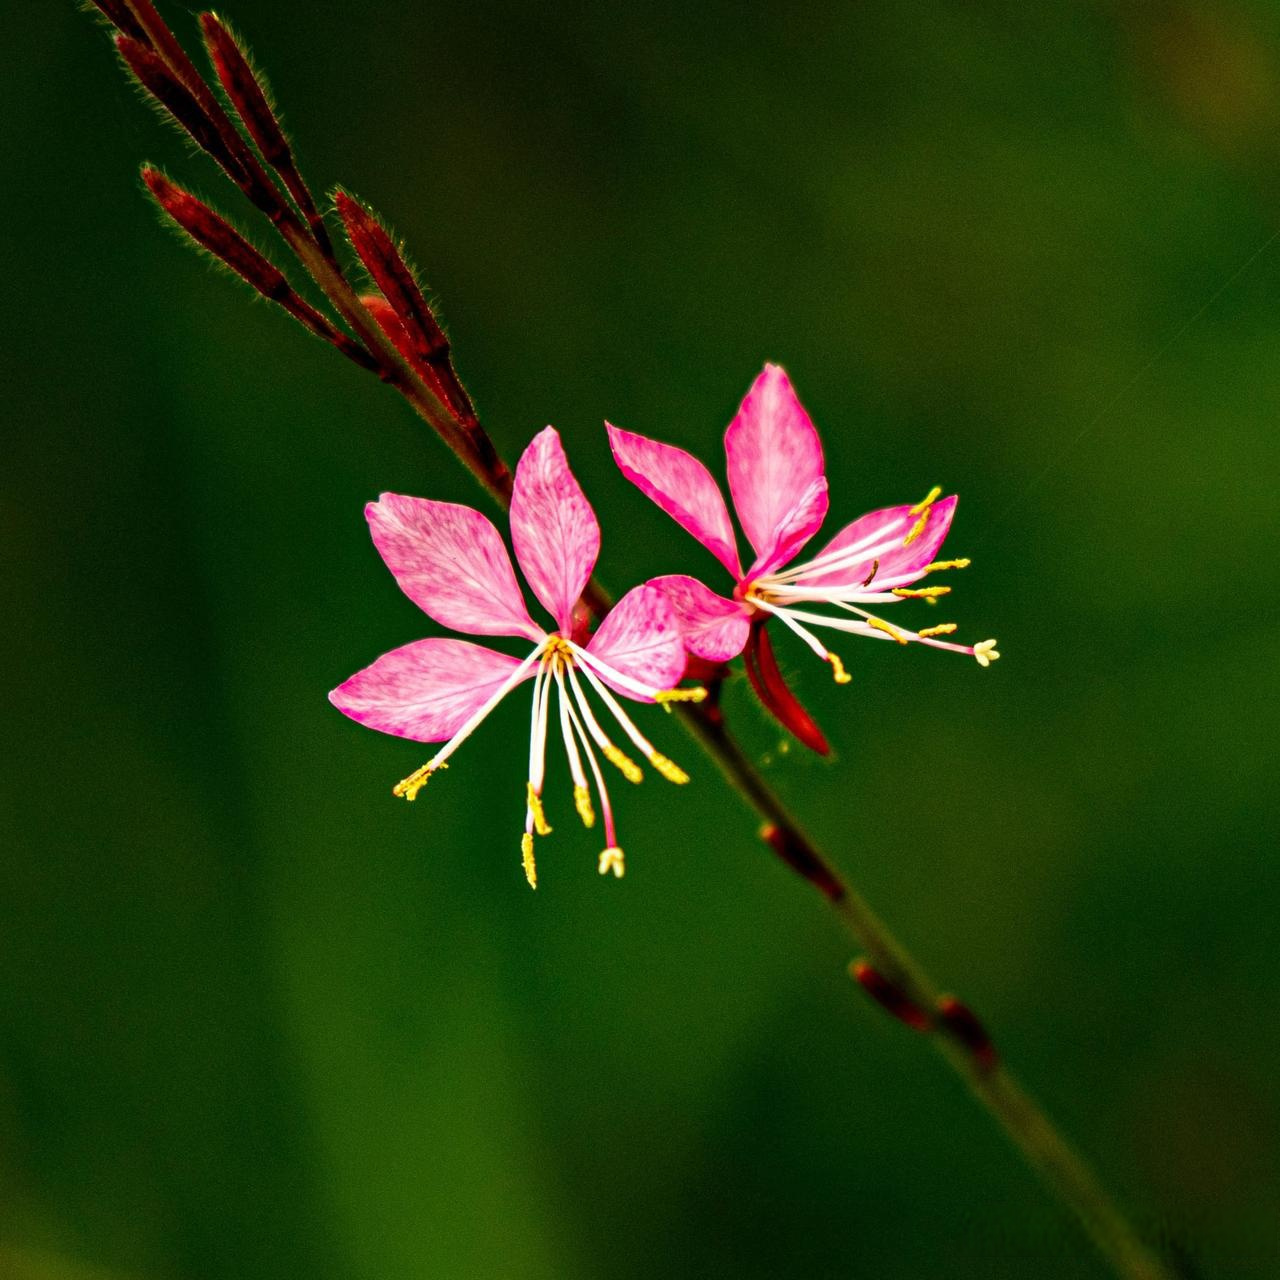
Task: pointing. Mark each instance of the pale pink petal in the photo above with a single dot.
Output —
(714, 628)
(426, 690)
(898, 564)
(451, 562)
(776, 472)
(682, 487)
(640, 637)
(553, 527)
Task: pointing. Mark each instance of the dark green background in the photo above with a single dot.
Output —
(259, 1020)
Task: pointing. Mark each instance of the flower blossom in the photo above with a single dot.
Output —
(451, 562)
(779, 488)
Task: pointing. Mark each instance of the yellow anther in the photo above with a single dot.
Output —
(925, 503)
(611, 860)
(840, 675)
(623, 763)
(985, 652)
(947, 564)
(945, 629)
(526, 857)
(410, 786)
(921, 593)
(582, 802)
(666, 697)
(535, 807)
(875, 568)
(557, 647)
(887, 629)
(918, 528)
(668, 768)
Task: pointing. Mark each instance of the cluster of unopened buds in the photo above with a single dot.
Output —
(451, 561)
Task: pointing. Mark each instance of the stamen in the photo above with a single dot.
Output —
(947, 564)
(535, 808)
(985, 652)
(601, 790)
(622, 762)
(570, 739)
(838, 672)
(804, 633)
(582, 802)
(921, 593)
(918, 528)
(475, 720)
(866, 548)
(875, 568)
(638, 740)
(668, 768)
(665, 697)
(611, 860)
(933, 495)
(594, 667)
(888, 630)
(944, 629)
(410, 786)
(619, 759)
(526, 857)
(538, 728)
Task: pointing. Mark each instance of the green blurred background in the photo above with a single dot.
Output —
(259, 1020)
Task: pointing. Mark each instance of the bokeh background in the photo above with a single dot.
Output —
(257, 1019)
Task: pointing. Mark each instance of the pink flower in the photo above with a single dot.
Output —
(779, 487)
(451, 562)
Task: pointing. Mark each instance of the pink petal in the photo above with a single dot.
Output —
(899, 565)
(425, 690)
(640, 637)
(451, 562)
(714, 628)
(776, 472)
(682, 487)
(553, 527)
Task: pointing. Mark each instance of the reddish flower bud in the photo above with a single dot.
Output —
(803, 860)
(215, 234)
(963, 1025)
(154, 75)
(772, 690)
(117, 13)
(385, 314)
(248, 92)
(889, 996)
(429, 348)
(157, 34)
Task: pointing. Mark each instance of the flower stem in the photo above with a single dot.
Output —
(961, 1042)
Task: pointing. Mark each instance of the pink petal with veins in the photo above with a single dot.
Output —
(426, 690)
(899, 565)
(553, 528)
(714, 628)
(776, 471)
(682, 487)
(451, 562)
(640, 638)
